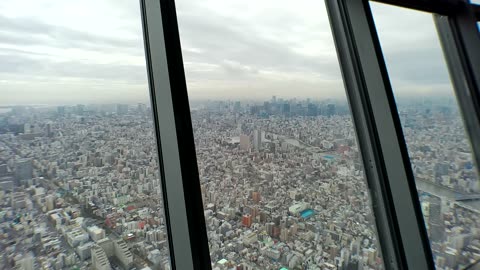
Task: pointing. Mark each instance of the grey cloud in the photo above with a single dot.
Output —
(18, 64)
(223, 39)
(237, 68)
(420, 66)
(27, 31)
(226, 53)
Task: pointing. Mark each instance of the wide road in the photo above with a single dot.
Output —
(444, 192)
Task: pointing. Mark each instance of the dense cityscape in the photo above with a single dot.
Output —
(282, 183)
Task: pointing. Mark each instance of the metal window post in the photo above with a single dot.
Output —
(387, 166)
(460, 41)
(173, 126)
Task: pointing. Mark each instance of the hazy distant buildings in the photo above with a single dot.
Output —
(61, 110)
(122, 109)
(257, 139)
(286, 109)
(331, 109)
(23, 170)
(79, 109)
(244, 142)
(48, 130)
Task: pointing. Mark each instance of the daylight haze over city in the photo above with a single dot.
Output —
(281, 173)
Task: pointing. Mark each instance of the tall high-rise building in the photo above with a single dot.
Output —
(247, 220)
(256, 196)
(257, 139)
(331, 110)
(286, 109)
(50, 202)
(27, 128)
(435, 219)
(123, 254)
(23, 170)
(79, 109)
(99, 259)
(122, 109)
(141, 108)
(48, 130)
(61, 110)
(312, 109)
(244, 142)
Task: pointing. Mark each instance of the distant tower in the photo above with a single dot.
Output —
(61, 110)
(122, 109)
(79, 109)
(257, 139)
(23, 170)
(49, 132)
(435, 220)
(286, 109)
(331, 109)
(28, 128)
(244, 142)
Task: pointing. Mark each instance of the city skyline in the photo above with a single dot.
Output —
(282, 185)
(277, 173)
(56, 56)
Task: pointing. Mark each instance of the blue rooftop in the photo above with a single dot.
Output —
(306, 213)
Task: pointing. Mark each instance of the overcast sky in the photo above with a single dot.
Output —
(91, 51)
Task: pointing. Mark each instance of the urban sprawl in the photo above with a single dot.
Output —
(282, 184)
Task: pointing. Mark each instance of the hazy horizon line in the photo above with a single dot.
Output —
(200, 100)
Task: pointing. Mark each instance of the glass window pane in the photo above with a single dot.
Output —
(79, 176)
(438, 146)
(282, 181)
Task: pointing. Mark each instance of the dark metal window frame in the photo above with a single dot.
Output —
(380, 135)
(187, 234)
(399, 219)
(460, 42)
(376, 118)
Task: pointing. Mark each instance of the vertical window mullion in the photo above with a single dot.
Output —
(460, 41)
(381, 139)
(179, 172)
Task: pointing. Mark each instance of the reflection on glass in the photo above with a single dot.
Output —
(79, 181)
(282, 181)
(438, 146)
